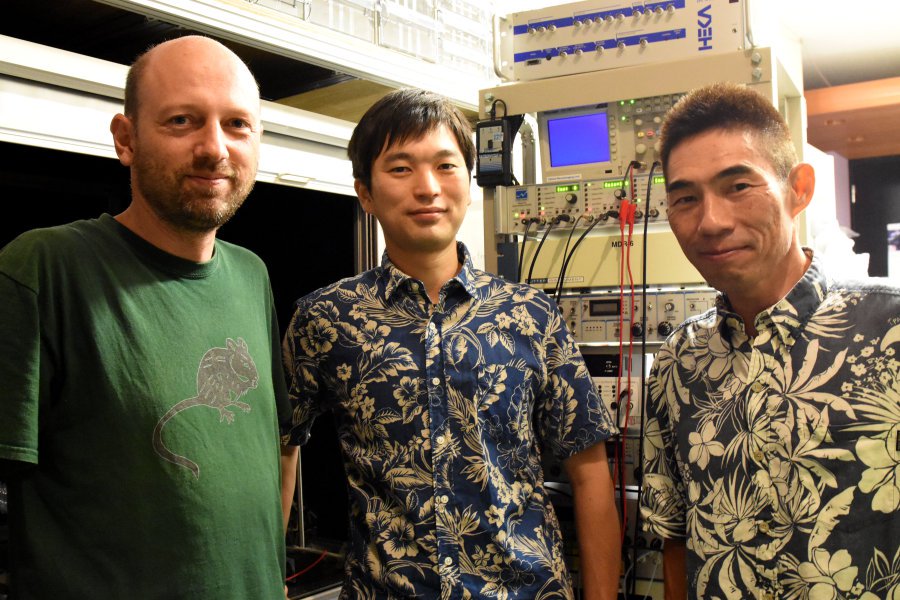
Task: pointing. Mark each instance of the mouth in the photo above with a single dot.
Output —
(717, 254)
(208, 181)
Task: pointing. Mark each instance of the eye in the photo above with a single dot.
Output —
(179, 120)
(447, 166)
(399, 169)
(680, 199)
(240, 124)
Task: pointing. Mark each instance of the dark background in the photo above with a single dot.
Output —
(877, 182)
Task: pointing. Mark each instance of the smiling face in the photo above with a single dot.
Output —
(193, 144)
(733, 217)
(419, 193)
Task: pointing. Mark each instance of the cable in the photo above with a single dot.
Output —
(553, 223)
(308, 568)
(494, 109)
(565, 261)
(643, 399)
(522, 251)
(626, 215)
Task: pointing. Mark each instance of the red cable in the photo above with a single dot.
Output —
(307, 569)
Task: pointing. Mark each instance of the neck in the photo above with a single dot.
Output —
(748, 303)
(433, 269)
(144, 223)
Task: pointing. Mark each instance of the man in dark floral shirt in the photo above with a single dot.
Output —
(772, 462)
(448, 385)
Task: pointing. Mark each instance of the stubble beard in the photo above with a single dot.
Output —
(191, 211)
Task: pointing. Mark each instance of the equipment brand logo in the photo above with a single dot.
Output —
(618, 244)
(704, 28)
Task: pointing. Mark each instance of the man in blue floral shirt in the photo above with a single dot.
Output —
(772, 459)
(448, 385)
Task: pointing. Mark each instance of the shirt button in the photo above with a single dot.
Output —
(436, 381)
(759, 456)
(448, 561)
(757, 386)
(444, 499)
(764, 527)
(440, 439)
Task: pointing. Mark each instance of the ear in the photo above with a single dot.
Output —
(122, 129)
(802, 183)
(364, 195)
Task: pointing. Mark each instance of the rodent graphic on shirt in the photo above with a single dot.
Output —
(224, 375)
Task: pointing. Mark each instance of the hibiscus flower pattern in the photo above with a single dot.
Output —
(777, 458)
(443, 413)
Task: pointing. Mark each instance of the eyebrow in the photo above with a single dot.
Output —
(680, 184)
(445, 153)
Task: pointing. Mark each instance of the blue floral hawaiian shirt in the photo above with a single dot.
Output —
(443, 413)
(777, 458)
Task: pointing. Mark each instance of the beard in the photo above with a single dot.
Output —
(190, 209)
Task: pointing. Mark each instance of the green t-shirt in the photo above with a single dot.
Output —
(139, 418)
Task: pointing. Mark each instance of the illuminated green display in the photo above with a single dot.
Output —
(567, 188)
(659, 179)
(609, 185)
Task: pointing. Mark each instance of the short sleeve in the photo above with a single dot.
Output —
(662, 501)
(302, 351)
(20, 371)
(571, 415)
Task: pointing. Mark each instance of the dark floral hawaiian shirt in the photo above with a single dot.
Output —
(443, 413)
(777, 458)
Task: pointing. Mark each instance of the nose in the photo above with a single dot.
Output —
(715, 216)
(427, 184)
(211, 143)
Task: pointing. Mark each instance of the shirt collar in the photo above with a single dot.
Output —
(790, 314)
(394, 279)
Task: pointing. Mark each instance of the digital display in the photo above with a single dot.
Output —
(604, 308)
(579, 140)
(611, 185)
(567, 188)
(659, 179)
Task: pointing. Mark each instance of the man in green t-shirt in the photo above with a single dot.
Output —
(139, 355)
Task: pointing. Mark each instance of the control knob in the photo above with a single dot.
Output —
(665, 328)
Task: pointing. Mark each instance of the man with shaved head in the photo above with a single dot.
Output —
(142, 386)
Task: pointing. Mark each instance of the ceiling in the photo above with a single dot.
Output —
(844, 51)
(851, 71)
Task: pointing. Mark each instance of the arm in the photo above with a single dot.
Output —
(596, 522)
(674, 572)
(289, 459)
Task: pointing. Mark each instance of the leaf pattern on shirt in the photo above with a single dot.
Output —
(777, 458)
(444, 412)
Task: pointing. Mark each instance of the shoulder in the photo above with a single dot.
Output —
(341, 290)
(58, 238)
(29, 255)
(239, 255)
(693, 331)
(491, 287)
(869, 286)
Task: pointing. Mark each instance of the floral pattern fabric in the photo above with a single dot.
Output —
(777, 458)
(443, 412)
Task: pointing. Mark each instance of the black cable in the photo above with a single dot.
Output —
(640, 452)
(557, 291)
(553, 223)
(522, 251)
(605, 216)
(494, 109)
